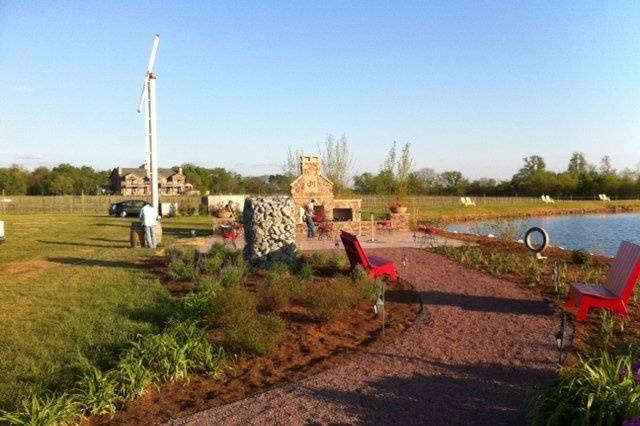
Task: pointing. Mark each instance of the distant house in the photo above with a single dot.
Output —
(128, 181)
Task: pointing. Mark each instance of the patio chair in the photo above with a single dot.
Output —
(374, 265)
(463, 201)
(544, 198)
(617, 290)
(470, 202)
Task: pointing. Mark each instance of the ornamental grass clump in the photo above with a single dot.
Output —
(195, 304)
(601, 390)
(278, 270)
(319, 259)
(275, 293)
(339, 262)
(334, 300)
(245, 330)
(184, 267)
(98, 392)
(232, 275)
(44, 410)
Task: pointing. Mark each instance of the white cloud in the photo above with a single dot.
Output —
(23, 89)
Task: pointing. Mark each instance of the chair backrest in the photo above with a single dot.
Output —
(354, 250)
(543, 198)
(463, 201)
(625, 270)
(469, 200)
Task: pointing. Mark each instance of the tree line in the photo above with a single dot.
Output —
(396, 176)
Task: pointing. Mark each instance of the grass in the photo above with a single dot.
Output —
(73, 295)
(432, 209)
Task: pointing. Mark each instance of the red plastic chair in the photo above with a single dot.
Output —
(374, 265)
(615, 293)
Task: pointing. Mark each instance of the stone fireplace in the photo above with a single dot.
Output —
(313, 184)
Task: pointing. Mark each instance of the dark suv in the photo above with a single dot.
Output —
(127, 208)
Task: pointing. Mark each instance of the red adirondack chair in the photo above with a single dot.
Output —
(376, 266)
(615, 293)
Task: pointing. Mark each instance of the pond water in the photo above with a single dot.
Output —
(601, 233)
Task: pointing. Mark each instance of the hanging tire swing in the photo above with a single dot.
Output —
(529, 243)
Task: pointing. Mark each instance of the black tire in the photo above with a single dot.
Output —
(529, 244)
(123, 214)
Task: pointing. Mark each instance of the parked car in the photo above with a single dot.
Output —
(127, 208)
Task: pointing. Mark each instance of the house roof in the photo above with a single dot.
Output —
(142, 172)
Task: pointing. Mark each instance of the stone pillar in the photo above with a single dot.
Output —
(269, 230)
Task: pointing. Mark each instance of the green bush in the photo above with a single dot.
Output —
(305, 271)
(232, 306)
(275, 293)
(602, 390)
(580, 257)
(260, 335)
(98, 392)
(340, 262)
(278, 270)
(212, 263)
(183, 270)
(319, 258)
(333, 300)
(47, 410)
(232, 275)
(235, 312)
(195, 304)
(219, 250)
(171, 355)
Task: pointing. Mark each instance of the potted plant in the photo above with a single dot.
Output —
(398, 207)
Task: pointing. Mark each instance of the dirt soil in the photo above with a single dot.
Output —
(476, 350)
(308, 348)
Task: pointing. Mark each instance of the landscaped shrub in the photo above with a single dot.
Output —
(232, 275)
(340, 262)
(333, 300)
(171, 355)
(47, 410)
(212, 263)
(98, 392)
(305, 271)
(134, 378)
(232, 306)
(260, 335)
(245, 330)
(278, 270)
(275, 293)
(318, 258)
(219, 250)
(184, 267)
(602, 390)
(580, 257)
(195, 304)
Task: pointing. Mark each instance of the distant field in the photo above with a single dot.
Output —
(421, 207)
(72, 293)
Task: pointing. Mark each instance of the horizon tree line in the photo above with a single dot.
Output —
(396, 176)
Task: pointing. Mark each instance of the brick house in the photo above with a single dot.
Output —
(136, 181)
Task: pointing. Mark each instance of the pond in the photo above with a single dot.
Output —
(598, 233)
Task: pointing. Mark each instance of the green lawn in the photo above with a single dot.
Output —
(516, 209)
(72, 293)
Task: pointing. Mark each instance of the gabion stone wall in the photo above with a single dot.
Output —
(269, 230)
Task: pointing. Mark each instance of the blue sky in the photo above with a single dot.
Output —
(474, 86)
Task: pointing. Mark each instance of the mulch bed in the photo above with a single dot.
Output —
(587, 334)
(307, 348)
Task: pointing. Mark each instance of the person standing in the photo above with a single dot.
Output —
(311, 226)
(149, 220)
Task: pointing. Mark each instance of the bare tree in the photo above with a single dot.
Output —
(338, 161)
(291, 166)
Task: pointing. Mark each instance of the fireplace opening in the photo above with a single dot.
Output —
(318, 213)
(343, 215)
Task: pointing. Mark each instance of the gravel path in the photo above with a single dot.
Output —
(476, 350)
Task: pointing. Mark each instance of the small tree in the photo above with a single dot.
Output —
(404, 167)
(337, 162)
